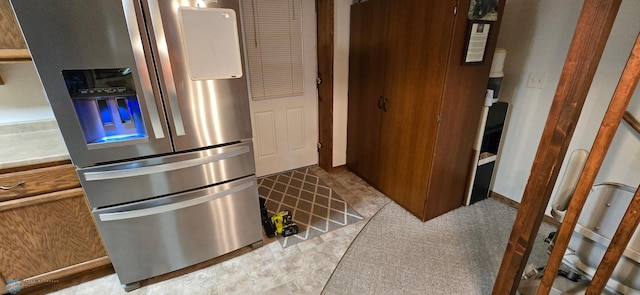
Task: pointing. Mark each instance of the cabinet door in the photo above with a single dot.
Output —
(460, 116)
(418, 41)
(12, 45)
(366, 81)
(46, 233)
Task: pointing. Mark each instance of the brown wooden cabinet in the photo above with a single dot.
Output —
(414, 108)
(12, 45)
(46, 227)
(366, 85)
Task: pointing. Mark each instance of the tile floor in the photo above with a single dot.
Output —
(303, 268)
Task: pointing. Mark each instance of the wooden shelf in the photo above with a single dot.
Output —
(486, 158)
(14, 55)
(12, 46)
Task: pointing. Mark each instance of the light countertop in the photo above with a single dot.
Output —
(31, 143)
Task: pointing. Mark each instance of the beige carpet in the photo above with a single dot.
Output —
(315, 207)
(457, 253)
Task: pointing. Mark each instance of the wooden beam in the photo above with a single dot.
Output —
(618, 244)
(621, 97)
(325, 18)
(590, 37)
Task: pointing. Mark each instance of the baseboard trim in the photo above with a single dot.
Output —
(516, 205)
(338, 168)
(67, 277)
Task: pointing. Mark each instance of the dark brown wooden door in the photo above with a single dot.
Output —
(418, 42)
(464, 93)
(367, 51)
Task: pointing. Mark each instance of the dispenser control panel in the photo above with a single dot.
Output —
(106, 105)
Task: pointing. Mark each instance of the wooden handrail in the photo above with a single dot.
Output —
(632, 121)
(617, 246)
(621, 97)
(590, 37)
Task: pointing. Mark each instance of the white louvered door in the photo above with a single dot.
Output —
(281, 52)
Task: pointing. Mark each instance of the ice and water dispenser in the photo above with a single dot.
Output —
(106, 105)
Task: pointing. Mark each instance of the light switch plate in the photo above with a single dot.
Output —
(536, 80)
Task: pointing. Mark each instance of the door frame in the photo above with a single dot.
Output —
(325, 14)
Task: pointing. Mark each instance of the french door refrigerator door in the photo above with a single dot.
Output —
(198, 47)
(90, 57)
(150, 238)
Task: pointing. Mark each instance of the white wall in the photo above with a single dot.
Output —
(537, 34)
(22, 98)
(340, 80)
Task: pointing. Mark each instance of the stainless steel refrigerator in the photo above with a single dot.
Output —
(151, 98)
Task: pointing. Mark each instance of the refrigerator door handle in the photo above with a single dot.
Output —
(146, 170)
(143, 69)
(173, 206)
(164, 66)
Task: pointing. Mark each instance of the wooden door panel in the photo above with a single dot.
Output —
(417, 52)
(460, 118)
(367, 50)
(11, 36)
(12, 45)
(46, 233)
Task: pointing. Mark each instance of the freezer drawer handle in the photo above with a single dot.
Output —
(123, 173)
(172, 207)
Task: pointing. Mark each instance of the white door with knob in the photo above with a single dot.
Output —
(281, 49)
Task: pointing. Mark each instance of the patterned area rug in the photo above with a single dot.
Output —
(315, 207)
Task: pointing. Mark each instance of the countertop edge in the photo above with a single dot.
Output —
(34, 161)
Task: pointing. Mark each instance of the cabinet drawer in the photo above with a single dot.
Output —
(45, 233)
(38, 181)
